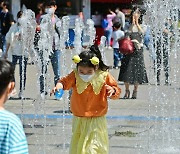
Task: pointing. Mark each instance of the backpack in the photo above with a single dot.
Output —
(104, 23)
(126, 46)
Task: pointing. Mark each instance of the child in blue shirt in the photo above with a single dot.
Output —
(12, 136)
(117, 35)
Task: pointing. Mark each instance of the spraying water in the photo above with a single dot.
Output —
(78, 35)
(27, 31)
(163, 20)
(91, 32)
(102, 48)
(40, 53)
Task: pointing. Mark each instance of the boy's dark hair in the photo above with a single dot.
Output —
(6, 3)
(6, 74)
(19, 14)
(117, 25)
(51, 3)
(87, 55)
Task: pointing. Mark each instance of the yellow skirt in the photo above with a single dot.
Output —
(89, 136)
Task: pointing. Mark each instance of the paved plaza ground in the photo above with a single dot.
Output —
(138, 126)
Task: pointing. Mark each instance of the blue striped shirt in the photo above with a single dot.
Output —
(12, 136)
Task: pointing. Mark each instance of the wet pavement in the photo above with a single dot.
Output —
(131, 123)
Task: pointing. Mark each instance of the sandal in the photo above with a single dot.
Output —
(134, 95)
(127, 94)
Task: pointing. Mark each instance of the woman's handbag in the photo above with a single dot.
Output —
(126, 46)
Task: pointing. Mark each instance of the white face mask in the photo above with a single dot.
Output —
(86, 78)
(49, 10)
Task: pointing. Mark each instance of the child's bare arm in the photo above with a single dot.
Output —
(64, 83)
(56, 88)
(114, 91)
(110, 90)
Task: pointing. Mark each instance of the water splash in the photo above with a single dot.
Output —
(91, 32)
(27, 31)
(102, 48)
(42, 58)
(64, 32)
(64, 36)
(40, 55)
(164, 99)
(79, 25)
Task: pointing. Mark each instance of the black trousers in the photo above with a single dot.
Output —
(162, 53)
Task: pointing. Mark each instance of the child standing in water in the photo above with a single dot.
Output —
(92, 84)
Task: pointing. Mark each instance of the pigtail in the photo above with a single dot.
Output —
(94, 49)
(88, 58)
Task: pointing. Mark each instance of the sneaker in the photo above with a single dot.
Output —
(109, 47)
(43, 95)
(115, 67)
(167, 84)
(20, 95)
(158, 83)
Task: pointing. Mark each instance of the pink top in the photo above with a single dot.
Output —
(53, 20)
(109, 19)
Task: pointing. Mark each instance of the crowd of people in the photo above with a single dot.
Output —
(132, 66)
(12, 43)
(90, 81)
(132, 69)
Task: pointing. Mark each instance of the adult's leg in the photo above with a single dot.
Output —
(109, 37)
(4, 43)
(55, 61)
(136, 86)
(42, 77)
(116, 57)
(120, 56)
(14, 61)
(159, 59)
(127, 92)
(22, 72)
(166, 62)
(134, 95)
(126, 85)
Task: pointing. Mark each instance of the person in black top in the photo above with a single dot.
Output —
(6, 19)
(1, 4)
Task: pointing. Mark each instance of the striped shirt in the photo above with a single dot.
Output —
(12, 136)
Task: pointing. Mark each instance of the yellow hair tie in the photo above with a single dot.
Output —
(76, 59)
(94, 60)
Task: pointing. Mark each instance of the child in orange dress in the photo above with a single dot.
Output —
(92, 84)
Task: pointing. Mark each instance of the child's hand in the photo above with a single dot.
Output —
(110, 90)
(58, 86)
(133, 20)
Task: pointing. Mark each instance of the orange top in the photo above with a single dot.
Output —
(86, 103)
